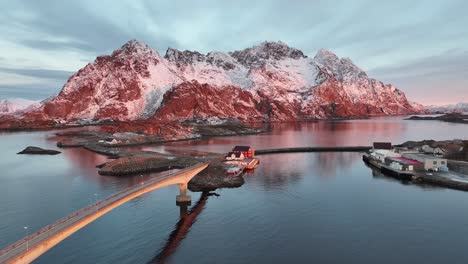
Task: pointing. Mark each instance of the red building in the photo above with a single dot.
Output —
(247, 151)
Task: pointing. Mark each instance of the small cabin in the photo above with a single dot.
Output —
(235, 156)
(247, 151)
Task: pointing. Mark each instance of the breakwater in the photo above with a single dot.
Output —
(313, 149)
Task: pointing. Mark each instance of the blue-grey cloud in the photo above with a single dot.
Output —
(441, 78)
(39, 73)
(397, 40)
(450, 64)
(56, 45)
(29, 91)
(74, 21)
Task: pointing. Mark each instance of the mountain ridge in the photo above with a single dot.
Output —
(278, 83)
(461, 107)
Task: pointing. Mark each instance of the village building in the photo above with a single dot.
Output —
(382, 150)
(404, 164)
(235, 156)
(430, 162)
(381, 154)
(247, 151)
(451, 148)
(432, 150)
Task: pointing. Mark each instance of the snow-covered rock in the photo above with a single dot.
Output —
(15, 105)
(459, 107)
(267, 82)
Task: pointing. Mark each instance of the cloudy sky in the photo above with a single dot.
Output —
(420, 46)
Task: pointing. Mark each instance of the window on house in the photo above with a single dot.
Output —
(434, 162)
(442, 162)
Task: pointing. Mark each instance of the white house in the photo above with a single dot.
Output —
(235, 156)
(381, 154)
(430, 162)
(432, 150)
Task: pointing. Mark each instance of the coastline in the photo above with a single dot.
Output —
(47, 125)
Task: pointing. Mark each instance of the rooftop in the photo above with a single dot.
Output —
(241, 148)
(424, 156)
(383, 145)
(407, 161)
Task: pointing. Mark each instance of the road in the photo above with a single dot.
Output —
(44, 234)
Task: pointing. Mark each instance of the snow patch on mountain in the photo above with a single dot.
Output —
(15, 105)
(459, 107)
(275, 81)
(153, 101)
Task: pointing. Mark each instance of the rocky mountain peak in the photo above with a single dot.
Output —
(183, 57)
(257, 56)
(272, 80)
(325, 56)
(134, 47)
(342, 68)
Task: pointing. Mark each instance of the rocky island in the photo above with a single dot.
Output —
(451, 117)
(39, 151)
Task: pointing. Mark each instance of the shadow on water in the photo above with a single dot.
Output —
(187, 219)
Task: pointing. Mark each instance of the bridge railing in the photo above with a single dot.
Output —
(95, 206)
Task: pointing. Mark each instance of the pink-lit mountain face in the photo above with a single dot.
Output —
(268, 82)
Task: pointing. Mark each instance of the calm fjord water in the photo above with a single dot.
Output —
(304, 207)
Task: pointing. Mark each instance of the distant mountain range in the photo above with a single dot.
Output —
(267, 82)
(460, 108)
(16, 105)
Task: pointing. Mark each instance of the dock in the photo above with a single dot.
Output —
(442, 179)
(438, 179)
(402, 175)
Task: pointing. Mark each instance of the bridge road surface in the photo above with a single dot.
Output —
(14, 252)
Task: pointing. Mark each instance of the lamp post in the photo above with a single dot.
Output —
(27, 240)
(96, 195)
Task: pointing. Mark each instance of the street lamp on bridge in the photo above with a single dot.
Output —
(27, 240)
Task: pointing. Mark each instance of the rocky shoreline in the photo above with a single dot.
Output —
(215, 177)
(452, 118)
(128, 162)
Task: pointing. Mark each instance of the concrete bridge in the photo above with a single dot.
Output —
(31, 247)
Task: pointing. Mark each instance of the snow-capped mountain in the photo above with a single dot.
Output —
(267, 82)
(15, 105)
(460, 108)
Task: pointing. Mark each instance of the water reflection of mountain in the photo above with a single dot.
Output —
(329, 164)
(280, 170)
(322, 133)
